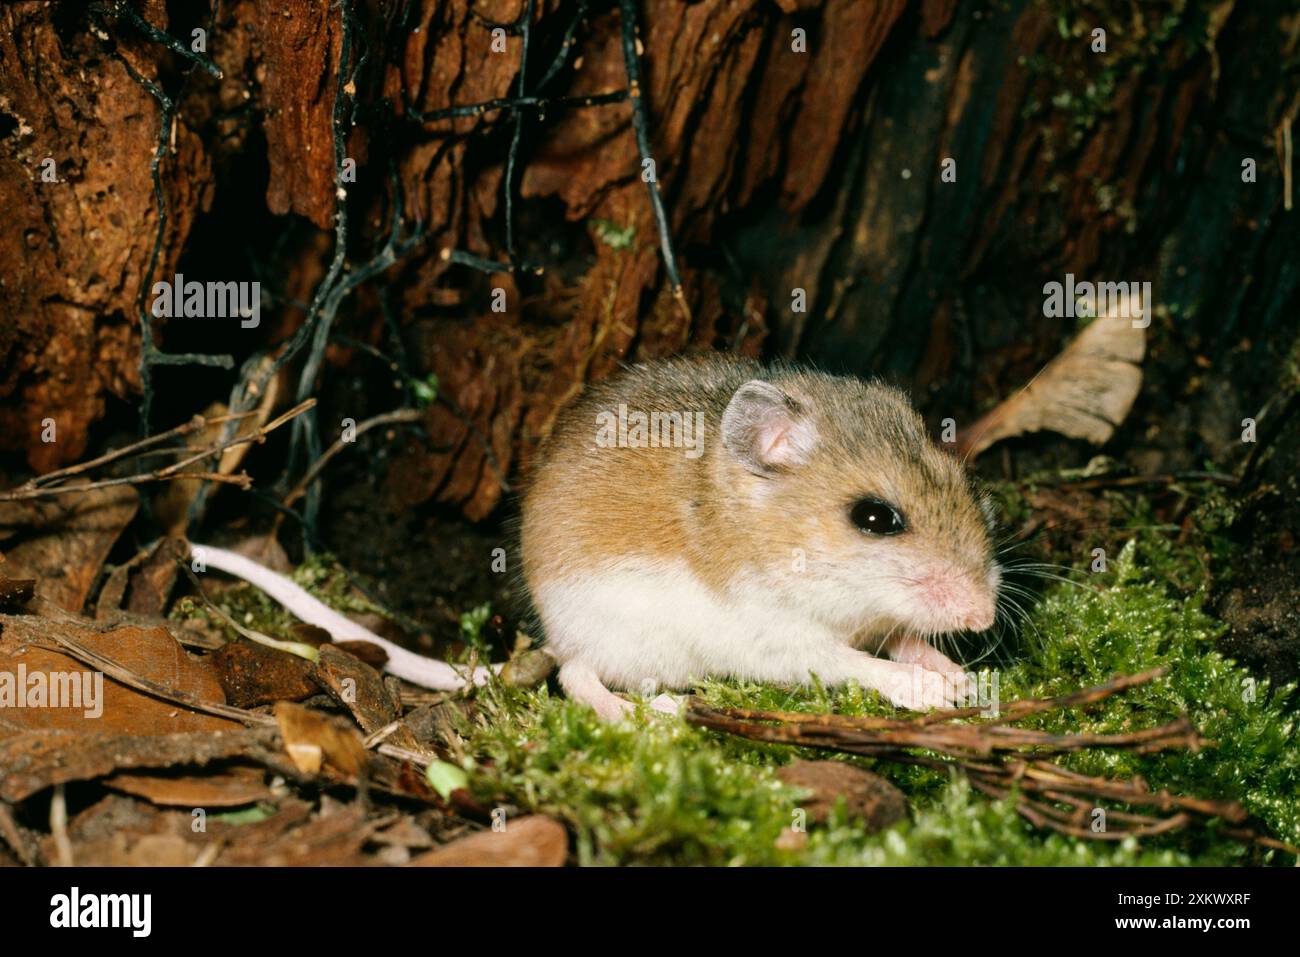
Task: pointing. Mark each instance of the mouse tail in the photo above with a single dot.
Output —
(407, 665)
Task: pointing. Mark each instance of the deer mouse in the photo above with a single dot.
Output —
(712, 517)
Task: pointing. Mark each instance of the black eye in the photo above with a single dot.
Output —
(877, 518)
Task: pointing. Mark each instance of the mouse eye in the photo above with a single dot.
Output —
(877, 518)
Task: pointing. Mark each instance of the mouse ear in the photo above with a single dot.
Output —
(766, 430)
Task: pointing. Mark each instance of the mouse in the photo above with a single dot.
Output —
(715, 517)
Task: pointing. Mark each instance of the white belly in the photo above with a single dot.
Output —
(653, 626)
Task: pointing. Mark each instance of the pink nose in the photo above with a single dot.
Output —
(958, 599)
(980, 619)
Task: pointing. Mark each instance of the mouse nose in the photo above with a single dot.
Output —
(959, 601)
(978, 619)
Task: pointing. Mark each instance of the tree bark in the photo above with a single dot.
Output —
(781, 168)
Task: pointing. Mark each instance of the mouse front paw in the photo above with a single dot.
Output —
(916, 688)
(910, 650)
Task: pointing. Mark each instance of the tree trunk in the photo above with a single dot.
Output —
(797, 145)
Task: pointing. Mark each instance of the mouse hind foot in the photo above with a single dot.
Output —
(581, 683)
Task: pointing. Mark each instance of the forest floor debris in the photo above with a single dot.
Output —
(338, 777)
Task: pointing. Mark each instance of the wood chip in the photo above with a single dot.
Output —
(866, 795)
(253, 674)
(533, 841)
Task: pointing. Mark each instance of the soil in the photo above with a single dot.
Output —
(429, 563)
(1259, 596)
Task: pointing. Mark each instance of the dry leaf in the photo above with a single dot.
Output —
(121, 831)
(312, 739)
(361, 689)
(226, 787)
(132, 850)
(105, 706)
(404, 833)
(1085, 392)
(65, 540)
(142, 585)
(327, 840)
(253, 674)
(34, 760)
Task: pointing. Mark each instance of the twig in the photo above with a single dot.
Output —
(1123, 481)
(1009, 712)
(243, 479)
(482, 264)
(320, 316)
(166, 39)
(562, 55)
(958, 740)
(387, 418)
(196, 424)
(1284, 159)
(59, 827)
(512, 155)
(632, 64)
(317, 328)
(398, 365)
(176, 470)
(986, 754)
(150, 355)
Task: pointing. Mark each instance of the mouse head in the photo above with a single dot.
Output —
(853, 512)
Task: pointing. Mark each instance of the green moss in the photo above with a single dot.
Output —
(320, 575)
(1133, 625)
(1079, 85)
(471, 627)
(613, 235)
(662, 792)
(426, 389)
